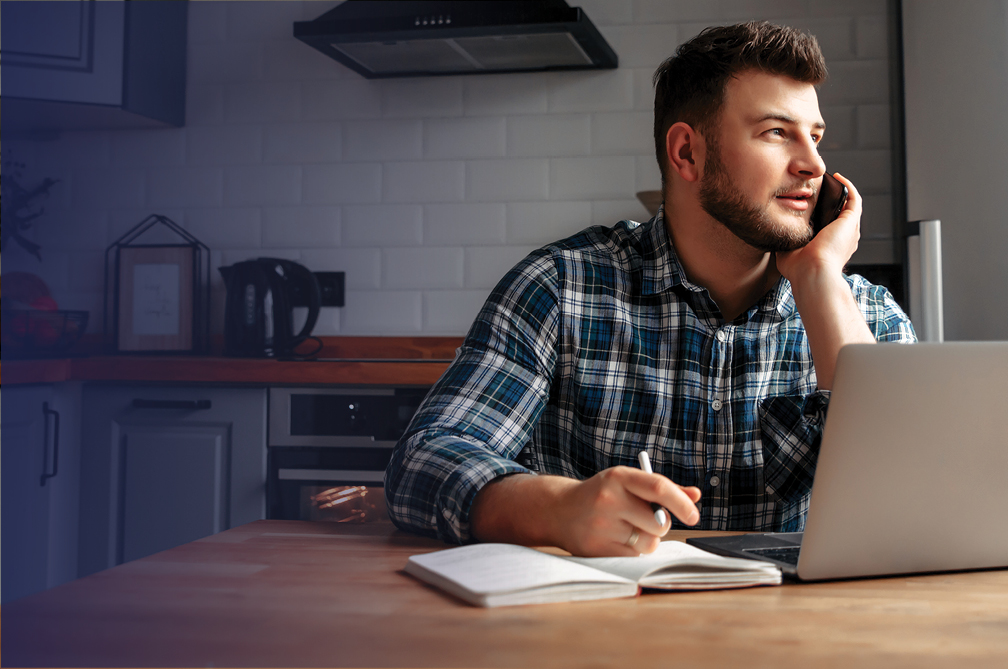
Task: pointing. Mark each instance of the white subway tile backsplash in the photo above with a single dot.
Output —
(342, 183)
(464, 224)
(448, 312)
(622, 133)
(474, 137)
(288, 58)
(485, 265)
(425, 191)
(872, 37)
(262, 102)
(302, 143)
(607, 12)
(648, 173)
(430, 181)
(642, 45)
(382, 312)
(549, 135)
(545, 222)
(870, 170)
(422, 97)
(835, 36)
(301, 227)
(227, 227)
(873, 127)
(261, 21)
(138, 148)
(643, 88)
(841, 132)
(224, 62)
(856, 82)
(422, 267)
(344, 99)
(74, 149)
(508, 179)
(207, 22)
(592, 91)
(595, 177)
(506, 94)
(382, 140)
(224, 145)
(185, 186)
(262, 184)
(108, 188)
(383, 225)
(611, 212)
(204, 104)
(362, 266)
(673, 11)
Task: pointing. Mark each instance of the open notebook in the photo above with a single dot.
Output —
(505, 574)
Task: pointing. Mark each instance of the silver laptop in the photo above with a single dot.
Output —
(913, 468)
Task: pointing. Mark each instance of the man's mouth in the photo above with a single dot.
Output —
(797, 200)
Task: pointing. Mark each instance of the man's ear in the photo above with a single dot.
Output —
(684, 145)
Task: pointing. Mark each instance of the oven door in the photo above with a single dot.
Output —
(329, 448)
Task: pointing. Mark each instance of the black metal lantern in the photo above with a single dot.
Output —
(157, 290)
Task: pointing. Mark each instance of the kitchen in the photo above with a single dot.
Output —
(423, 191)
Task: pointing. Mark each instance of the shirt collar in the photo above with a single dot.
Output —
(662, 270)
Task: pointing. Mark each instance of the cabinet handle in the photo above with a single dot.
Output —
(46, 412)
(191, 405)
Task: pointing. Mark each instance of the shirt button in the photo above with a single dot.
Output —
(721, 336)
(716, 405)
(714, 481)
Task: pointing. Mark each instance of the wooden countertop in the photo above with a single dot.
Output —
(347, 360)
(293, 593)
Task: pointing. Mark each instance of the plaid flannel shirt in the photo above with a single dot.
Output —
(598, 346)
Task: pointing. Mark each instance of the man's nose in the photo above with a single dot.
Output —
(807, 163)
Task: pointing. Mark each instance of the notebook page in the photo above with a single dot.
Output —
(489, 568)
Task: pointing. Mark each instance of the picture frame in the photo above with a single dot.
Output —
(156, 301)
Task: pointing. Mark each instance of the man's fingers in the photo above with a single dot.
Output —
(659, 489)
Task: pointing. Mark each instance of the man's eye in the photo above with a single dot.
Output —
(777, 132)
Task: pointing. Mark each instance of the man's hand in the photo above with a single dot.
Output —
(595, 517)
(831, 317)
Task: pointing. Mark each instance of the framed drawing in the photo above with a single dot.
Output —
(157, 290)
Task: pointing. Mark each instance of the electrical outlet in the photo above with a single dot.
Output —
(331, 285)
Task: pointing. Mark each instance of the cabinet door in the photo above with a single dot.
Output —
(25, 501)
(40, 465)
(164, 466)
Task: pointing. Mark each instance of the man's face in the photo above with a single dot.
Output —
(762, 166)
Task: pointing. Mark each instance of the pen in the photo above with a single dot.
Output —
(645, 464)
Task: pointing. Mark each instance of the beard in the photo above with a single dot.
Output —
(748, 221)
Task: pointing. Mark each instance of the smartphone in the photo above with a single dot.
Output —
(831, 201)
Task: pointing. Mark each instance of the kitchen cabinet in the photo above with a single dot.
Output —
(85, 64)
(39, 487)
(163, 465)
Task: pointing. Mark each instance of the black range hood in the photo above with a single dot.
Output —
(393, 38)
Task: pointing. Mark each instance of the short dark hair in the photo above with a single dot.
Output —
(690, 85)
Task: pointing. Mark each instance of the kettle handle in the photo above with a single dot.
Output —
(301, 273)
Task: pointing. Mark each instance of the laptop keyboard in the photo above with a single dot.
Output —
(786, 554)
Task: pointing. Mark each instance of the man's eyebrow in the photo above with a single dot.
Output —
(784, 118)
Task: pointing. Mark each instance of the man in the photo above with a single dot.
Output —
(707, 336)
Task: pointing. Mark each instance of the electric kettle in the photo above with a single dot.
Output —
(258, 313)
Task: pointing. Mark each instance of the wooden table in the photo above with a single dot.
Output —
(291, 593)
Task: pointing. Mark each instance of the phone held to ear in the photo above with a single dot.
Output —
(831, 201)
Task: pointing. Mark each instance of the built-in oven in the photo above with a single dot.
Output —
(328, 449)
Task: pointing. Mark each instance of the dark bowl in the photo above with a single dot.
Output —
(33, 333)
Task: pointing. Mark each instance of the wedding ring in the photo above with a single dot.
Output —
(634, 536)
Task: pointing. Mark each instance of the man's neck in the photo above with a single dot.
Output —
(735, 274)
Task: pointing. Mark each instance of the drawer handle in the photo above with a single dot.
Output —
(191, 405)
(46, 412)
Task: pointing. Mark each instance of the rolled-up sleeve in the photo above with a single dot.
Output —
(483, 410)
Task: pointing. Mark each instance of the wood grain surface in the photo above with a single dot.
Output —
(292, 593)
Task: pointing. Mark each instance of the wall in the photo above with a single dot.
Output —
(956, 153)
(424, 191)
